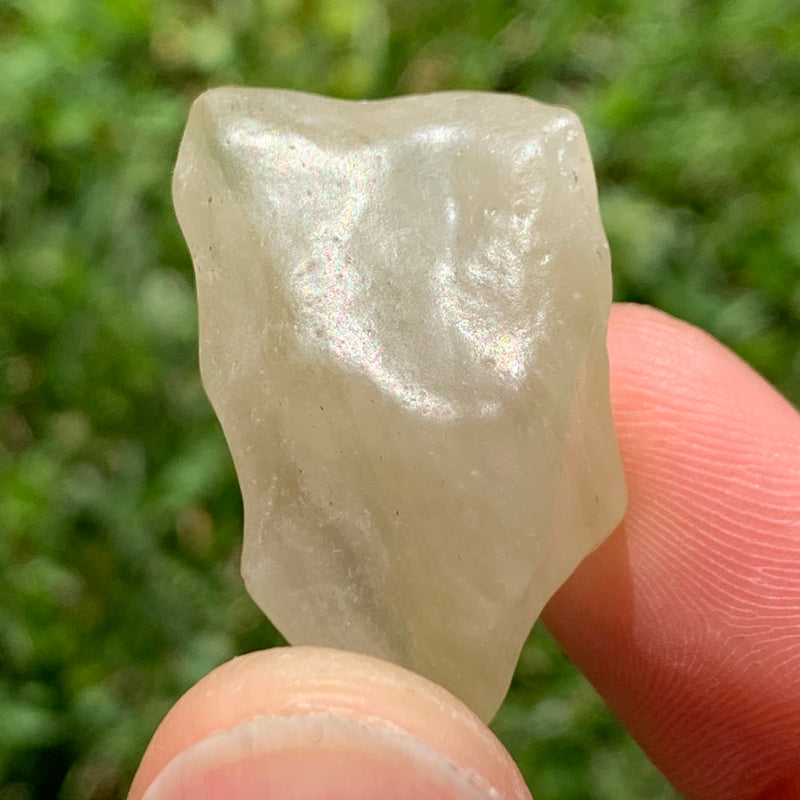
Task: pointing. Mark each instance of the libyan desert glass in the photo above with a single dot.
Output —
(403, 309)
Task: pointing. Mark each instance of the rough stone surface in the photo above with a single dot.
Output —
(403, 309)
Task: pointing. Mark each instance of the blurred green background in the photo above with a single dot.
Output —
(119, 512)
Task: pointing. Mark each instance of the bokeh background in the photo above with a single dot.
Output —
(120, 515)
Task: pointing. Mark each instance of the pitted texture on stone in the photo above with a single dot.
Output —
(403, 310)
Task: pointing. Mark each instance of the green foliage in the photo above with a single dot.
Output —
(119, 509)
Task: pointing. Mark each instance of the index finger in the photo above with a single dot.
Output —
(687, 619)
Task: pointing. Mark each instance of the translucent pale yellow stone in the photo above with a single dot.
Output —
(403, 309)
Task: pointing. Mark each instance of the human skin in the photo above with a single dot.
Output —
(687, 620)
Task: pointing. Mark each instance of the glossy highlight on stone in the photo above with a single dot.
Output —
(403, 308)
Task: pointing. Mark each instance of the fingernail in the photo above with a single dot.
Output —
(315, 756)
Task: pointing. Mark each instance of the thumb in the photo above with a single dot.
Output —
(305, 723)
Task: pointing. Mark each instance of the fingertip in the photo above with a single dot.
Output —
(311, 722)
(688, 618)
(653, 353)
